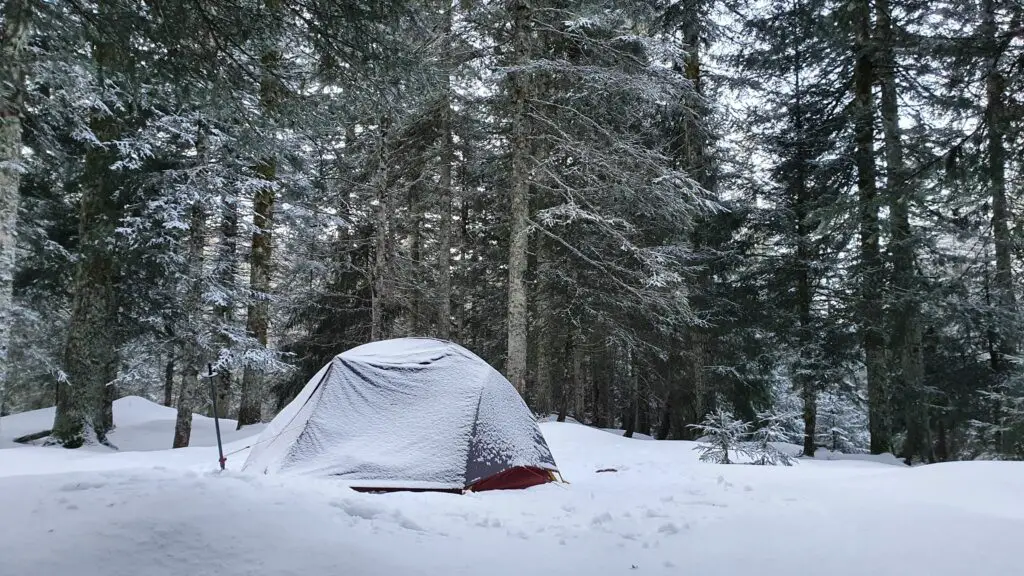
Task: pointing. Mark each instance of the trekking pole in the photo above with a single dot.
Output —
(216, 418)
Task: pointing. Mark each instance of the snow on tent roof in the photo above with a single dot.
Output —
(410, 413)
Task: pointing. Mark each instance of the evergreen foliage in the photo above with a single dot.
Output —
(723, 438)
(671, 218)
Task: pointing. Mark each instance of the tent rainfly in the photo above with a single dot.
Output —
(408, 414)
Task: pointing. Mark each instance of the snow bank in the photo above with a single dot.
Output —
(140, 425)
(164, 513)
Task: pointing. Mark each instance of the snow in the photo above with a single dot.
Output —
(141, 425)
(158, 512)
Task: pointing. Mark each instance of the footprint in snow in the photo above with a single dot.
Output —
(706, 503)
(652, 513)
(489, 523)
(358, 509)
(670, 528)
(81, 486)
(369, 512)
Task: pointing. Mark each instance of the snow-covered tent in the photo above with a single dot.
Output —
(408, 414)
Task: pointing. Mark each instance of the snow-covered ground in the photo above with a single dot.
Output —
(146, 510)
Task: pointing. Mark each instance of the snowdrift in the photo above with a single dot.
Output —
(170, 512)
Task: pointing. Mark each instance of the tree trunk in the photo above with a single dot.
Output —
(85, 390)
(801, 210)
(186, 400)
(665, 423)
(90, 359)
(415, 312)
(169, 381)
(519, 188)
(872, 334)
(643, 411)
(633, 408)
(942, 447)
(192, 313)
(381, 302)
(258, 311)
(227, 270)
(541, 386)
(13, 38)
(905, 345)
(597, 397)
(444, 249)
(464, 291)
(995, 120)
(1002, 334)
(692, 157)
(567, 388)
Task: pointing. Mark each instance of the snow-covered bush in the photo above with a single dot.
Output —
(721, 433)
(1002, 432)
(724, 439)
(762, 446)
(842, 424)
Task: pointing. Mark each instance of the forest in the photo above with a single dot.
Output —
(648, 214)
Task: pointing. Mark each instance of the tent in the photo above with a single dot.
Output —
(408, 414)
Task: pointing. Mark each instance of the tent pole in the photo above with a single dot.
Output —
(216, 418)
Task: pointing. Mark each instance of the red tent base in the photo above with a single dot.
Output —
(512, 479)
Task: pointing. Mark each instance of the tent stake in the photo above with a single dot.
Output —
(216, 418)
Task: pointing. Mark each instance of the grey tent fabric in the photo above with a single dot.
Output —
(411, 413)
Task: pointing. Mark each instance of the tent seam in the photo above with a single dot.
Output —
(472, 435)
(305, 427)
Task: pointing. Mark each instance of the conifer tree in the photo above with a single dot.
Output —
(14, 22)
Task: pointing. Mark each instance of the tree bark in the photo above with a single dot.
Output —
(85, 390)
(633, 408)
(416, 323)
(665, 423)
(227, 270)
(872, 333)
(444, 249)
(14, 35)
(905, 345)
(692, 157)
(567, 388)
(90, 358)
(464, 294)
(995, 121)
(258, 311)
(643, 410)
(801, 209)
(191, 357)
(381, 300)
(519, 188)
(169, 381)
(1002, 333)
